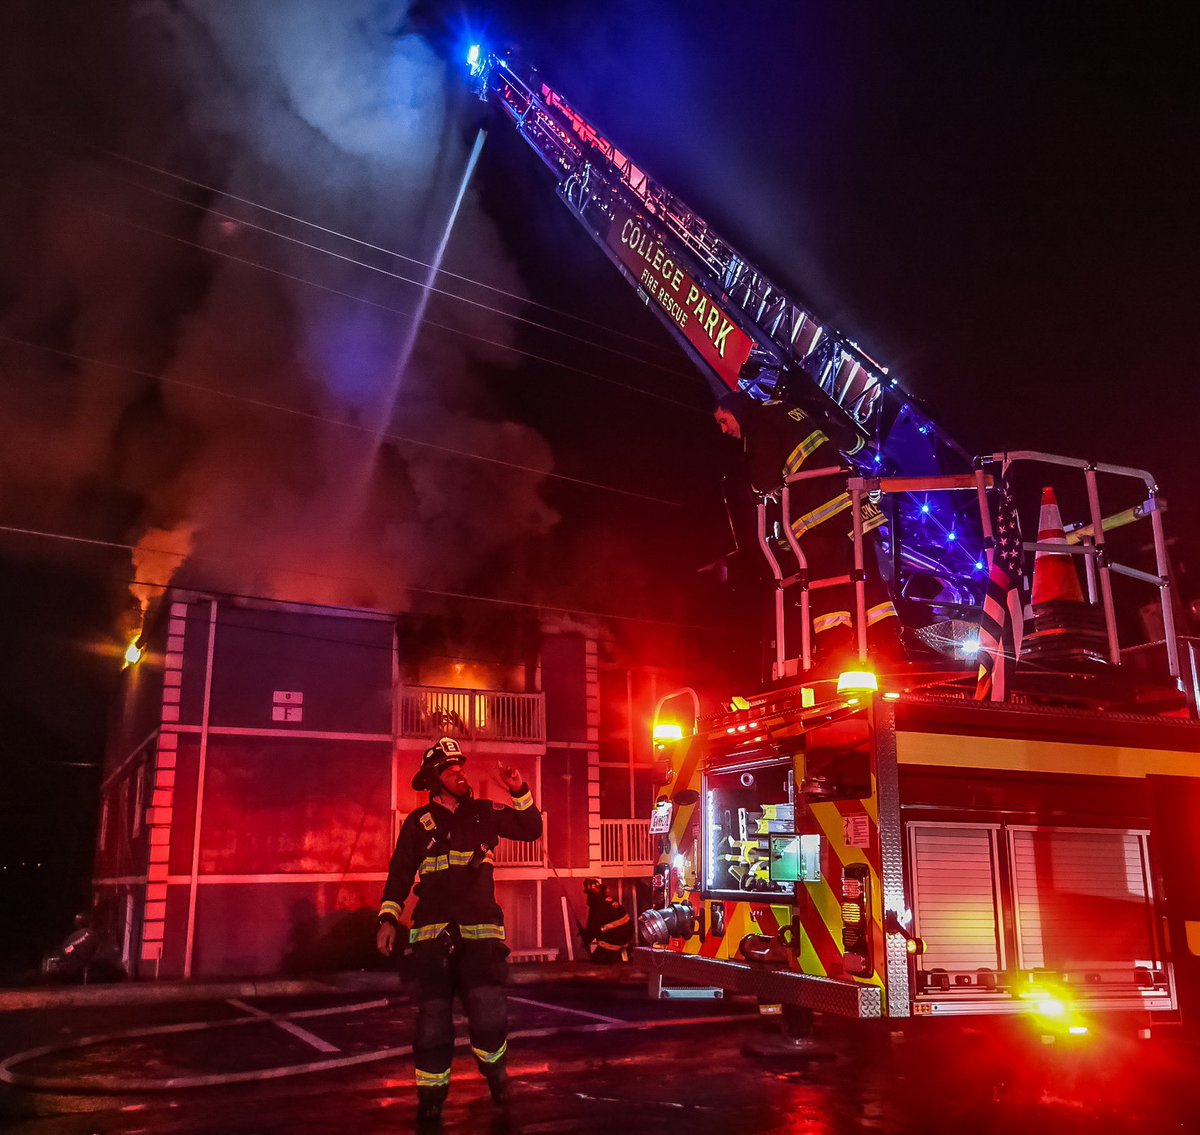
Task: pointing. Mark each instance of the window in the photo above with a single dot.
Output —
(744, 808)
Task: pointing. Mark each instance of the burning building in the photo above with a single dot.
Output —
(258, 772)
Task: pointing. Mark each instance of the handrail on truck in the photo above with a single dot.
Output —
(1086, 540)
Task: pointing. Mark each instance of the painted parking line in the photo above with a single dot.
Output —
(287, 1026)
(110, 1085)
(97, 1083)
(334, 1010)
(645, 1103)
(566, 1009)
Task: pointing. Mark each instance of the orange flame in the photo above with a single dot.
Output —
(156, 558)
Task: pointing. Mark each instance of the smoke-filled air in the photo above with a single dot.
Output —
(253, 414)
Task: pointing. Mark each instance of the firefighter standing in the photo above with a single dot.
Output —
(457, 932)
(608, 926)
(778, 441)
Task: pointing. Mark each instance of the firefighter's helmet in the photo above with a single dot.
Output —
(594, 886)
(435, 761)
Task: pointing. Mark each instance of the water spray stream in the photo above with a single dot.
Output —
(360, 485)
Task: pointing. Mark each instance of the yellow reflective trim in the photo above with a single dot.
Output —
(870, 522)
(489, 1057)
(828, 622)
(437, 863)
(482, 930)
(424, 933)
(390, 908)
(525, 800)
(432, 1079)
(819, 515)
(885, 610)
(804, 450)
(608, 946)
(613, 925)
(463, 858)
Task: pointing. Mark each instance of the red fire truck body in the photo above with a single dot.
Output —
(888, 855)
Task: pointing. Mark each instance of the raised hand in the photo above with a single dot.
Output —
(509, 777)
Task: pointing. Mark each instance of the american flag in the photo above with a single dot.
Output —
(1002, 621)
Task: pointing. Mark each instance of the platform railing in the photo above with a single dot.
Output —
(1086, 540)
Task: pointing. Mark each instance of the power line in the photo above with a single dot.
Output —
(180, 178)
(175, 199)
(393, 310)
(313, 416)
(91, 541)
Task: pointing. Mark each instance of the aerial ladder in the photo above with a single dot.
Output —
(744, 331)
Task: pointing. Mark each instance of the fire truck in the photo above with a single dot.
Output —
(886, 843)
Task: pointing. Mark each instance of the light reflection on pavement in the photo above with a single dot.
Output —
(598, 1060)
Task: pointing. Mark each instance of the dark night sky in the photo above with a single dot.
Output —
(997, 201)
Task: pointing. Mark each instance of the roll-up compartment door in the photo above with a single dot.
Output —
(955, 886)
(1082, 900)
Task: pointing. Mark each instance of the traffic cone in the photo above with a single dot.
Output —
(1054, 578)
(1064, 627)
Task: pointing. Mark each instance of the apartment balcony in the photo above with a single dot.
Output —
(627, 843)
(515, 721)
(522, 853)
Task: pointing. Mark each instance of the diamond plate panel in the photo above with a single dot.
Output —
(887, 785)
(821, 994)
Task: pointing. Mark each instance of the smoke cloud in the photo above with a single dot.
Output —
(329, 110)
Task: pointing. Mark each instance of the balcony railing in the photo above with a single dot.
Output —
(626, 843)
(519, 853)
(474, 715)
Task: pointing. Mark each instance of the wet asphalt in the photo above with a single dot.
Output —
(587, 1056)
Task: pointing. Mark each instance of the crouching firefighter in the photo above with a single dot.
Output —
(457, 932)
(609, 928)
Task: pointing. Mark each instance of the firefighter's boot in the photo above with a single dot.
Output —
(429, 1105)
(499, 1088)
(497, 1078)
(834, 650)
(885, 639)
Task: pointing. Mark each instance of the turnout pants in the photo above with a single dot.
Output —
(475, 971)
(608, 953)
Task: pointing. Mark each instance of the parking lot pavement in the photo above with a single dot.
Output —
(276, 1063)
(588, 1058)
(234, 1040)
